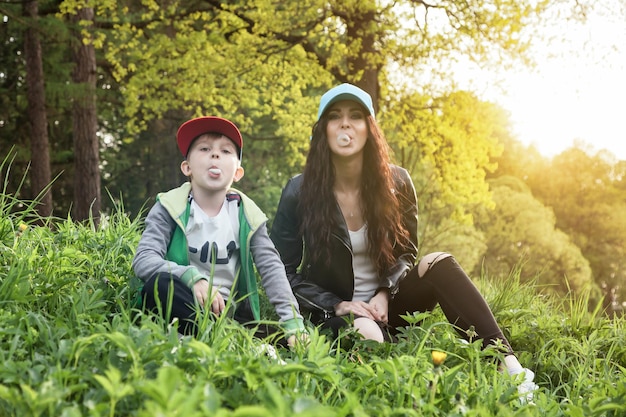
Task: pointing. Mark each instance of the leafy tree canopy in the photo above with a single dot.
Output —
(522, 228)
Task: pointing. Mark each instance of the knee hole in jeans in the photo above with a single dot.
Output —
(428, 261)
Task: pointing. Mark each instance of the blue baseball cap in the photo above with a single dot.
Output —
(345, 92)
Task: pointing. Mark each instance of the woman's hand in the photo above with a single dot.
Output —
(358, 308)
(201, 291)
(380, 304)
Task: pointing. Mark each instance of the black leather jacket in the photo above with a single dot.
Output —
(317, 287)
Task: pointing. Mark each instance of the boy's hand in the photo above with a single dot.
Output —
(217, 303)
(201, 292)
(301, 338)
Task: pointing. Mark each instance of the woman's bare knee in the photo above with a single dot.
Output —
(428, 261)
(368, 329)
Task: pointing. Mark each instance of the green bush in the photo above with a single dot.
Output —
(70, 345)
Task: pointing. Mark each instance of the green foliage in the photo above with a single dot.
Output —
(263, 63)
(447, 144)
(465, 241)
(71, 346)
(584, 192)
(522, 229)
(14, 122)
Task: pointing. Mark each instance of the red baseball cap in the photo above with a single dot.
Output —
(193, 128)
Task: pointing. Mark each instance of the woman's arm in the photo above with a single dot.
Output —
(406, 254)
(287, 238)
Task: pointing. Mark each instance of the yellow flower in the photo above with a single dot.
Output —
(438, 357)
(20, 229)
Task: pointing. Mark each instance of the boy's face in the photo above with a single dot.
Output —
(212, 163)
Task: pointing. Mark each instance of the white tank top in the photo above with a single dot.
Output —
(365, 276)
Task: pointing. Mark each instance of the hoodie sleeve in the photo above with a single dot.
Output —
(150, 257)
(273, 277)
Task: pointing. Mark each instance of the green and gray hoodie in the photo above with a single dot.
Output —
(163, 248)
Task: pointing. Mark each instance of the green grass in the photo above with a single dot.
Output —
(70, 345)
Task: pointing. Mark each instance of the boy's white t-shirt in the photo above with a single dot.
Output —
(365, 275)
(213, 244)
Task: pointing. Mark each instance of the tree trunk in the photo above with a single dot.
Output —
(87, 198)
(40, 177)
(368, 59)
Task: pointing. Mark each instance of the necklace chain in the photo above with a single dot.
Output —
(344, 205)
(348, 212)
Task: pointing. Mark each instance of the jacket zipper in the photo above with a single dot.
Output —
(327, 313)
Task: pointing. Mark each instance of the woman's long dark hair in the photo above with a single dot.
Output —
(379, 202)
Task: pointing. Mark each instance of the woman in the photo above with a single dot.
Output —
(346, 230)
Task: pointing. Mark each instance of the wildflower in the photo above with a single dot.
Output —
(471, 333)
(21, 228)
(438, 357)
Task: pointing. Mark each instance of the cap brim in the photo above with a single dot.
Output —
(345, 92)
(341, 97)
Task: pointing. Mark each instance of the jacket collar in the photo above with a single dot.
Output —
(341, 231)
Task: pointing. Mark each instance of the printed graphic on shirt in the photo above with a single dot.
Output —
(209, 252)
(213, 244)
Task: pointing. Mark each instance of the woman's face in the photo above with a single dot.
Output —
(346, 130)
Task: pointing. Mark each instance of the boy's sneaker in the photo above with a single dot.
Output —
(527, 387)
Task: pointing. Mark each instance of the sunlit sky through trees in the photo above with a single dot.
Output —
(576, 91)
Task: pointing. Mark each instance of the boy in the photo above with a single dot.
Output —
(201, 239)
